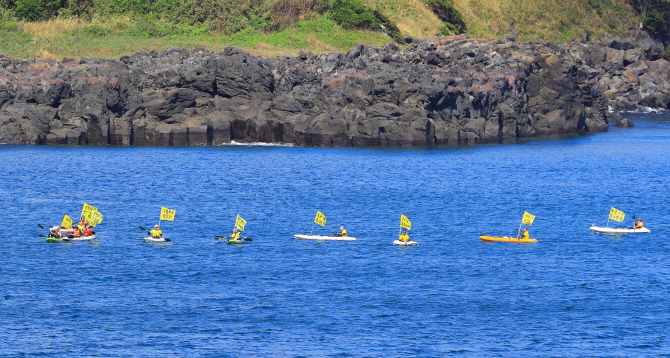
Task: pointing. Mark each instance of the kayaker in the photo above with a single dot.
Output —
(82, 223)
(404, 237)
(342, 233)
(235, 235)
(639, 224)
(76, 232)
(156, 232)
(526, 234)
(55, 232)
(88, 231)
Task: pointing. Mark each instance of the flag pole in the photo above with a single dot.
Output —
(310, 233)
(518, 232)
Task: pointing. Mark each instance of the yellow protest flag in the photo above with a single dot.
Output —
(67, 222)
(87, 210)
(320, 218)
(404, 222)
(167, 214)
(527, 218)
(617, 215)
(96, 218)
(239, 223)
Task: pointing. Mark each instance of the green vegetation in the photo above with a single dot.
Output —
(116, 37)
(555, 21)
(449, 14)
(353, 14)
(655, 15)
(112, 28)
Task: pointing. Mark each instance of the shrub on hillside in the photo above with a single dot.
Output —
(34, 10)
(657, 16)
(353, 14)
(447, 12)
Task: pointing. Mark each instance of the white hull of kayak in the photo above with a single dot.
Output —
(621, 230)
(405, 243)
(324, 238)
(155, 239)
(81, 238)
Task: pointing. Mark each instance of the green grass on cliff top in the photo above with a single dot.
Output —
(114, 38)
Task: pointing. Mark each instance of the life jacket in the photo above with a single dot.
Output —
(526, 235)
(235, 236)
(404, 238)
(88, 232)
(639, 225)
(344, 233)
(156, 233)
(76, 232)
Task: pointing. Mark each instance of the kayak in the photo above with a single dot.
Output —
(238, 241)
(156, 239)
(53, 240)
(324, 238)
(619, 230)
(505, 239)
(405, 243)
(80, 238)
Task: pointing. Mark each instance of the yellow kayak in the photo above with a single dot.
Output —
(505, 239)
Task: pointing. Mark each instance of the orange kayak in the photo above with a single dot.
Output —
(505, 239)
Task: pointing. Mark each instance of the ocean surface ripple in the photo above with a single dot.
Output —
(574, 293)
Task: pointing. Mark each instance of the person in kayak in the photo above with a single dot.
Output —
(76, 232)
(88, 231)
(404, 237)
(342, 233)
(526, 234)
(156, 232)
(82, 223)
(55, 232)
(639, 224)
(235, 235)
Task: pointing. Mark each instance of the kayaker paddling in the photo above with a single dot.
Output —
(342, 233)
(54, 232)
(235, 235)
(156, 232)
(526, 234)
(639, 224)
(404, 237)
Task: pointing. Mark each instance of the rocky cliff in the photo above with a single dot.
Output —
(442, 91)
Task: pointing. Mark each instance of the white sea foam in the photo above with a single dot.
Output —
(641, 110)
(260, 144)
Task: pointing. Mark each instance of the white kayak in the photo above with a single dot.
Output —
(405, 243)
(80, 238)
(619, 230)
(156, 239)
(324, 238)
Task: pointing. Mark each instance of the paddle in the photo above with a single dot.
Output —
(42, 227)
(143, 229)
(228, 237)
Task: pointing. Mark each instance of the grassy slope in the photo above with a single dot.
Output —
(69, 38)
(549, 20)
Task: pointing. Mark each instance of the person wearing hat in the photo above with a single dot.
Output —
(342, 233)
(235, 235)
(156, 232)
(55, 232)
(526, 234)
(404, 237)
(639, 224)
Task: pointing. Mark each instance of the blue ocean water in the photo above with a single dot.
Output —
(574, 293)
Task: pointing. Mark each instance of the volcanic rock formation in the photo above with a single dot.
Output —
(443, 91)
